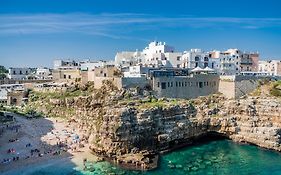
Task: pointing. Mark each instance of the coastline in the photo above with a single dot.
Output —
(52, 137)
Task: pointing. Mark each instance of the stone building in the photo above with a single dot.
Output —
(16, 98)
(235, 86)
(66, 70)
(166, 84)
(66, 75)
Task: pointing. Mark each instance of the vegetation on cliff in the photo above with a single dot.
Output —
(275, 89)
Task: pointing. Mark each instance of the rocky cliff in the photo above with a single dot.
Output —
(132, 127)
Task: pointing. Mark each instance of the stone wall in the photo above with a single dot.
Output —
(185, 87)
(132, 82)
(237, 86)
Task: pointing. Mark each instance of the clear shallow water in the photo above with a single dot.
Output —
(215, 157)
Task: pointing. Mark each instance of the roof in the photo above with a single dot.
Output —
(197, 69)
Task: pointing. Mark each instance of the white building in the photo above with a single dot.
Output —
(226, 62)
(91, 65)
(157, 54)
(3, 96)
(43, 73)
(126, 59)
(195, 58)
(19, 73)
(271, 67)
(137, 71)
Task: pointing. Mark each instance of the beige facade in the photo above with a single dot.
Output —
(66, 75)
(100, 74)
(16, 98)
(234, 86)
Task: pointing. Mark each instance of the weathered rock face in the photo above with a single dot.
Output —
(116, 129)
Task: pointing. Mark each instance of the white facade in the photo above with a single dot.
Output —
(226, 62)
(43, 73)
(137, 71)
(271, 67)
(157, 54)
(19, 73)
(125, 59)
(91, 65)
(195, 58)
(3, 96)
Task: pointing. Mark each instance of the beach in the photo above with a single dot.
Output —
(41, 142)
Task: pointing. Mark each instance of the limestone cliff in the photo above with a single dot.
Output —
(130, 126)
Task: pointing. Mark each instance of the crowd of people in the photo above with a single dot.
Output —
(53, 143)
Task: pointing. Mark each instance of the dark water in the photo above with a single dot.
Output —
(214, 157)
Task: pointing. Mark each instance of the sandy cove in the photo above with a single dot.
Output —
(42, 141)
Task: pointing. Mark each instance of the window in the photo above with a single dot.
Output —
(179, 84)
(163, 85)
(206, 59)
(26, 72)
(69, 76)
(200, 84)
(182, 84)
(168, 84)
(158, 84)
(178, 58)
(204, 83)
(64, 76)
(176, 84)
(196, 58)
(196, 64)
(185, 84)
(205, 64)
(178, 66)
(20, 72)
(207, 83)
(171, 84)
(14, 72)
(104, 74)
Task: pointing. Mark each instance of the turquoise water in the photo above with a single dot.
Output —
(215, 157)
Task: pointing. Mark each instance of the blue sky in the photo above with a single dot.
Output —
(35, 32)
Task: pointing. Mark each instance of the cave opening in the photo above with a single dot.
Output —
(199, 140)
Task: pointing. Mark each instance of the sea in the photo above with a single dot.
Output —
(217, 157)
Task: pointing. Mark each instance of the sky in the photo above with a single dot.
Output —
(35, 32)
